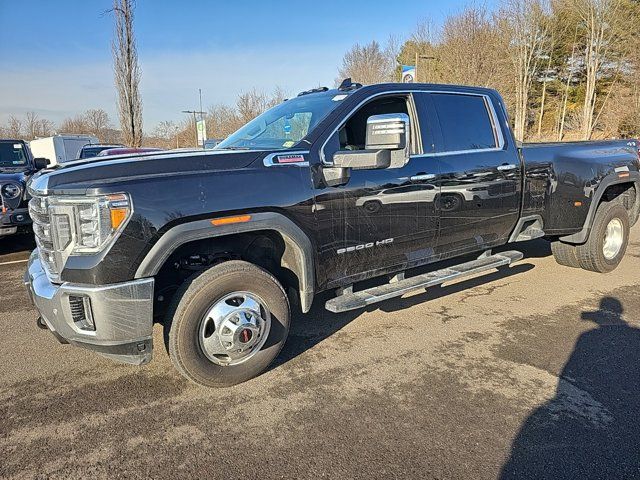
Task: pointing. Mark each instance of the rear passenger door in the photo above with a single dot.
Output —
(477, 176)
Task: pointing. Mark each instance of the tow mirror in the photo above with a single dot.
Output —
(387, 144)
(41, 163)
(387, 132)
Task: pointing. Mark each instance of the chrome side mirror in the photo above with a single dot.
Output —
(387, 144)
(389, 131)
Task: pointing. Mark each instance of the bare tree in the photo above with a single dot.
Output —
(222, 120)
(602, 27)
(127, 73)
(425, 33)
(97, 121)
(527, 24)
(367, 64)
(14, 127)
(31, 127)
(167, 132)
(31, 122)
(76, 125)
(570, 66)
(469, 51)
(251, 104)
(45, 128)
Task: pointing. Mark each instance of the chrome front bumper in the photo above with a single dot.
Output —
(122, 314)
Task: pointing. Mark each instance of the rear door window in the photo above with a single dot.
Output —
(465, 122)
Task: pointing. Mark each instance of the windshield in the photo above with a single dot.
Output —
(12, 155)
(88, 152)
(284, 125)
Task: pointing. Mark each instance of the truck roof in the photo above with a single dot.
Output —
(396, 86)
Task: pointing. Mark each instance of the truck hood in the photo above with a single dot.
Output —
(18, 177)
(77, 177)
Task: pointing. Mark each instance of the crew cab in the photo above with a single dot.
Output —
(16, 167)
(320, 193)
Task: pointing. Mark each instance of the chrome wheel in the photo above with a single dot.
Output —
(613, 239)
(234, 329)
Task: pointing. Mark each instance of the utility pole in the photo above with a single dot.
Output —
(422, 57)
(195, 120)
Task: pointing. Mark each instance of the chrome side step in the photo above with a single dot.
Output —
(354, 300)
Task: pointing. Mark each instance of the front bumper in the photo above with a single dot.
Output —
(11, 220)
(122, 314)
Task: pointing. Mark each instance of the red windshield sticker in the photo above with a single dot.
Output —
(290, 159)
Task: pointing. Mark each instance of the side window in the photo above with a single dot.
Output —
(465, 122)
(353, 134)
(427, 121)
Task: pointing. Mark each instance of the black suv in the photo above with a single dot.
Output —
(16, 167)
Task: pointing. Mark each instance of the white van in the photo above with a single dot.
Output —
(60, 148)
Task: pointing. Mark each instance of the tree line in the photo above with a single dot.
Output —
(567, 69)
(30, 126)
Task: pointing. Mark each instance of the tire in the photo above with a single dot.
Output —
(192, 307)
(451, 202)
(565, 254)
(372, 206)
(592, 255)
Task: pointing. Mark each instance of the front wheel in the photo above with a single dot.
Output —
(608, 239)
(227, 324)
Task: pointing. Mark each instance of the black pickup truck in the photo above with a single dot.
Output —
(322, 192)
(16, 167)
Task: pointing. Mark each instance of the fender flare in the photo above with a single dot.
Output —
(611, 179)
(297, 257)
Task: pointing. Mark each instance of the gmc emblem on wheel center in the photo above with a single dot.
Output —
(364, 246)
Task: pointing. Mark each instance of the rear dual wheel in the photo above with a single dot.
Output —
(607, 243)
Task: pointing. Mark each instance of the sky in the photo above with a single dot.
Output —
(56, 56)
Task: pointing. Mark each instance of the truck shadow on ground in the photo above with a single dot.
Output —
(311, 329)
(590, 428)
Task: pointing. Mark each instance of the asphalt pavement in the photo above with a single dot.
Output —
(528, 372)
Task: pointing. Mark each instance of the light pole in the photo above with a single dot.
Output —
(422, 57)
(195, 121)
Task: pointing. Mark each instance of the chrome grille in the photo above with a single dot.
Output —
(39, 211)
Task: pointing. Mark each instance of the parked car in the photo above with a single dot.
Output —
(92, 150)
(211, 143)
(60, 148)
(127, 151)
(17, 165)
(220, 245)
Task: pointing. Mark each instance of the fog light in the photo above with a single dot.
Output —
(81, 312)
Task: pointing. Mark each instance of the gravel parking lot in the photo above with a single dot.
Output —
(532, 371)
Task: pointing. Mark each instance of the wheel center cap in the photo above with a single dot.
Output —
(246, 335)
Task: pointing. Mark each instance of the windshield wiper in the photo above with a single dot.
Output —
(234, 148)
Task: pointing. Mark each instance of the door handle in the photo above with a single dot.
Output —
(504, 168)
(422, 176)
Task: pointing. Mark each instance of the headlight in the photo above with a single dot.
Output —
(86, 225)
(11, 191)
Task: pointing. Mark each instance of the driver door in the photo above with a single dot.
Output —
(372, 221)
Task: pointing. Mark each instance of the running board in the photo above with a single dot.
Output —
(354, 300)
